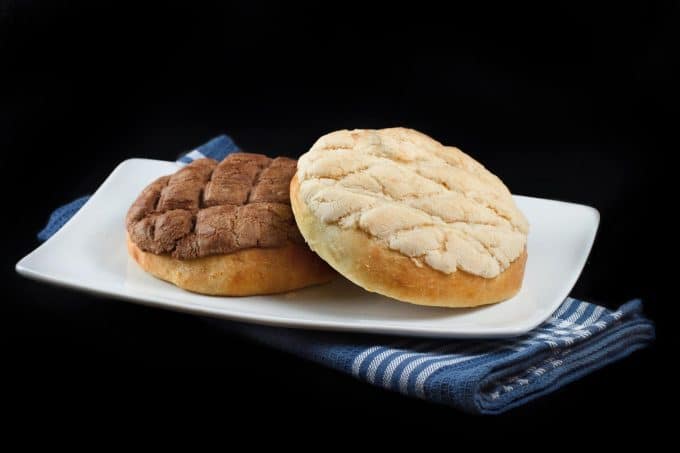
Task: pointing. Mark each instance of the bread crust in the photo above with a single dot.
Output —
(241, 273)
(371, 265)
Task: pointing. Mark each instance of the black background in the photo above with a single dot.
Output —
(562, 100)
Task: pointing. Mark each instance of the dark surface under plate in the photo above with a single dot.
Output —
(568, 102)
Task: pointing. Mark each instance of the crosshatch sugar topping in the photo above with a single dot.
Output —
(431, 202)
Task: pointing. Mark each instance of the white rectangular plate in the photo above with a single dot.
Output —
(89, 253)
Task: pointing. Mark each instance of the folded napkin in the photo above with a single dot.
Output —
(478, 376)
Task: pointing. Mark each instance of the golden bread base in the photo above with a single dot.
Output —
(242, 273)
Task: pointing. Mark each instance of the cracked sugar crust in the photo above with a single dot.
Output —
(430, 202)
(210, 208)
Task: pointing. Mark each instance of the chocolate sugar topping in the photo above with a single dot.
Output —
(209, 208)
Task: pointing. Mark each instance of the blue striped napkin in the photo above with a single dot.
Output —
(478, 376)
